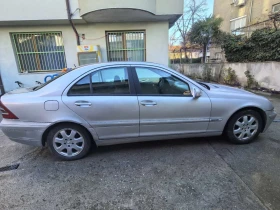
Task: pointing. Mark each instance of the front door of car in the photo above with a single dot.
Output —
(106, 100)
(166, 104)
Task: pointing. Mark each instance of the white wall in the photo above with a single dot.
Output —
(21, 10)
(267, 74)
(156, 47)
(156, 38)
(164, 7)
(28, 10)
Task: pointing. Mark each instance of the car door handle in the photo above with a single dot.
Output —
(148, 103)
(83, 103)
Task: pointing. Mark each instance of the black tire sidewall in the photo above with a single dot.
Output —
(232, 121)
(81, 130)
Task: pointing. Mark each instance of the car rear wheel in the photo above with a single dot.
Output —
(244, 127)
(69, 142)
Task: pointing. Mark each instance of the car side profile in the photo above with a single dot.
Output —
(123, 102)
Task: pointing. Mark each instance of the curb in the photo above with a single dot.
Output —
(265, 93)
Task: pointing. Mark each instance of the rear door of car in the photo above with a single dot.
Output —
(166, 104)
(106, 99)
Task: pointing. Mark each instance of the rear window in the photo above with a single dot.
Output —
(48, 82)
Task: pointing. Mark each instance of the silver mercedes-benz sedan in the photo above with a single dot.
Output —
(114, 103)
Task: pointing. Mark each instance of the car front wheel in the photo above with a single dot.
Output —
(69, 142)
(244, 127)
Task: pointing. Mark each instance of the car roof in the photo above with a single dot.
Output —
(96, 65)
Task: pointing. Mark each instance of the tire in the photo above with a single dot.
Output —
(69, 141)
(242, 131)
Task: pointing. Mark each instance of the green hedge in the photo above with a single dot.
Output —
(263, 45)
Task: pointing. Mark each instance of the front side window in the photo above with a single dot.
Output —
(157, 82)
(110, 81)
(126, 46)
(37, 52)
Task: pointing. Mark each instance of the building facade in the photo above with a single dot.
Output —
(37, 38)
(241, 17)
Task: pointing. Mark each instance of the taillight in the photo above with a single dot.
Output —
(6, 113)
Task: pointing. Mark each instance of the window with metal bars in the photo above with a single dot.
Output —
(37, 52)
(126, 46)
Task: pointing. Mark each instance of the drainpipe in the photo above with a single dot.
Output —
(71, 22)
(250, 16)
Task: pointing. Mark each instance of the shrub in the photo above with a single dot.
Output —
(230, 77)
(251, 82)
(207, 73)
(263, 45)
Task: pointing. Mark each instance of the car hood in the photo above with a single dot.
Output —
(224, 88)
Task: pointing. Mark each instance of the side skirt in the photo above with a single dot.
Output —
(153, 138)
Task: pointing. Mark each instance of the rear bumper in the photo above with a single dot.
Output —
(24, 132)
(270, 116)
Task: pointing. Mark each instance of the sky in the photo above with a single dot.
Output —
(210, 5)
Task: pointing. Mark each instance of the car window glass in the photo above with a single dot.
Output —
(82, 87)
(110, 81)
(154, 81)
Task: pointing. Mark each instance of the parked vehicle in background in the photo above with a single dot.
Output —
(114, 103)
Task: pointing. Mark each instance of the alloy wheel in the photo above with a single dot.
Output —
(245, 127)
(68, 142)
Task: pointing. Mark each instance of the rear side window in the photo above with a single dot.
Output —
(82, 87)
(109, 81)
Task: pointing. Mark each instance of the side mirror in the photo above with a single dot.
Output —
(196, 93)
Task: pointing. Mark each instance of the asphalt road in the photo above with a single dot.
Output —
(203, 173)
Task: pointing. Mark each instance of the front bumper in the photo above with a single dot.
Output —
(270, 116)
(24, 132)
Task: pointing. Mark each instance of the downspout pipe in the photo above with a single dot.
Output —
(250, 16)
(71, 22)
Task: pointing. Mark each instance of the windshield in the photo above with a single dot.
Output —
(48, 82)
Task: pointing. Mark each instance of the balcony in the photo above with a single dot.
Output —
(37, 12)
(131, 10)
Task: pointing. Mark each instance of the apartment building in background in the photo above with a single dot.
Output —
(241, 17)
(39, 38)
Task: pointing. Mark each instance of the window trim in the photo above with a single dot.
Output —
(138, 86)
(124, 44)
(130, 82)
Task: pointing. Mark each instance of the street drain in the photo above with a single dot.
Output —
(277, 120)
(9, 167)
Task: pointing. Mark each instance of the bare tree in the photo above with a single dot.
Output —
(194, 10)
